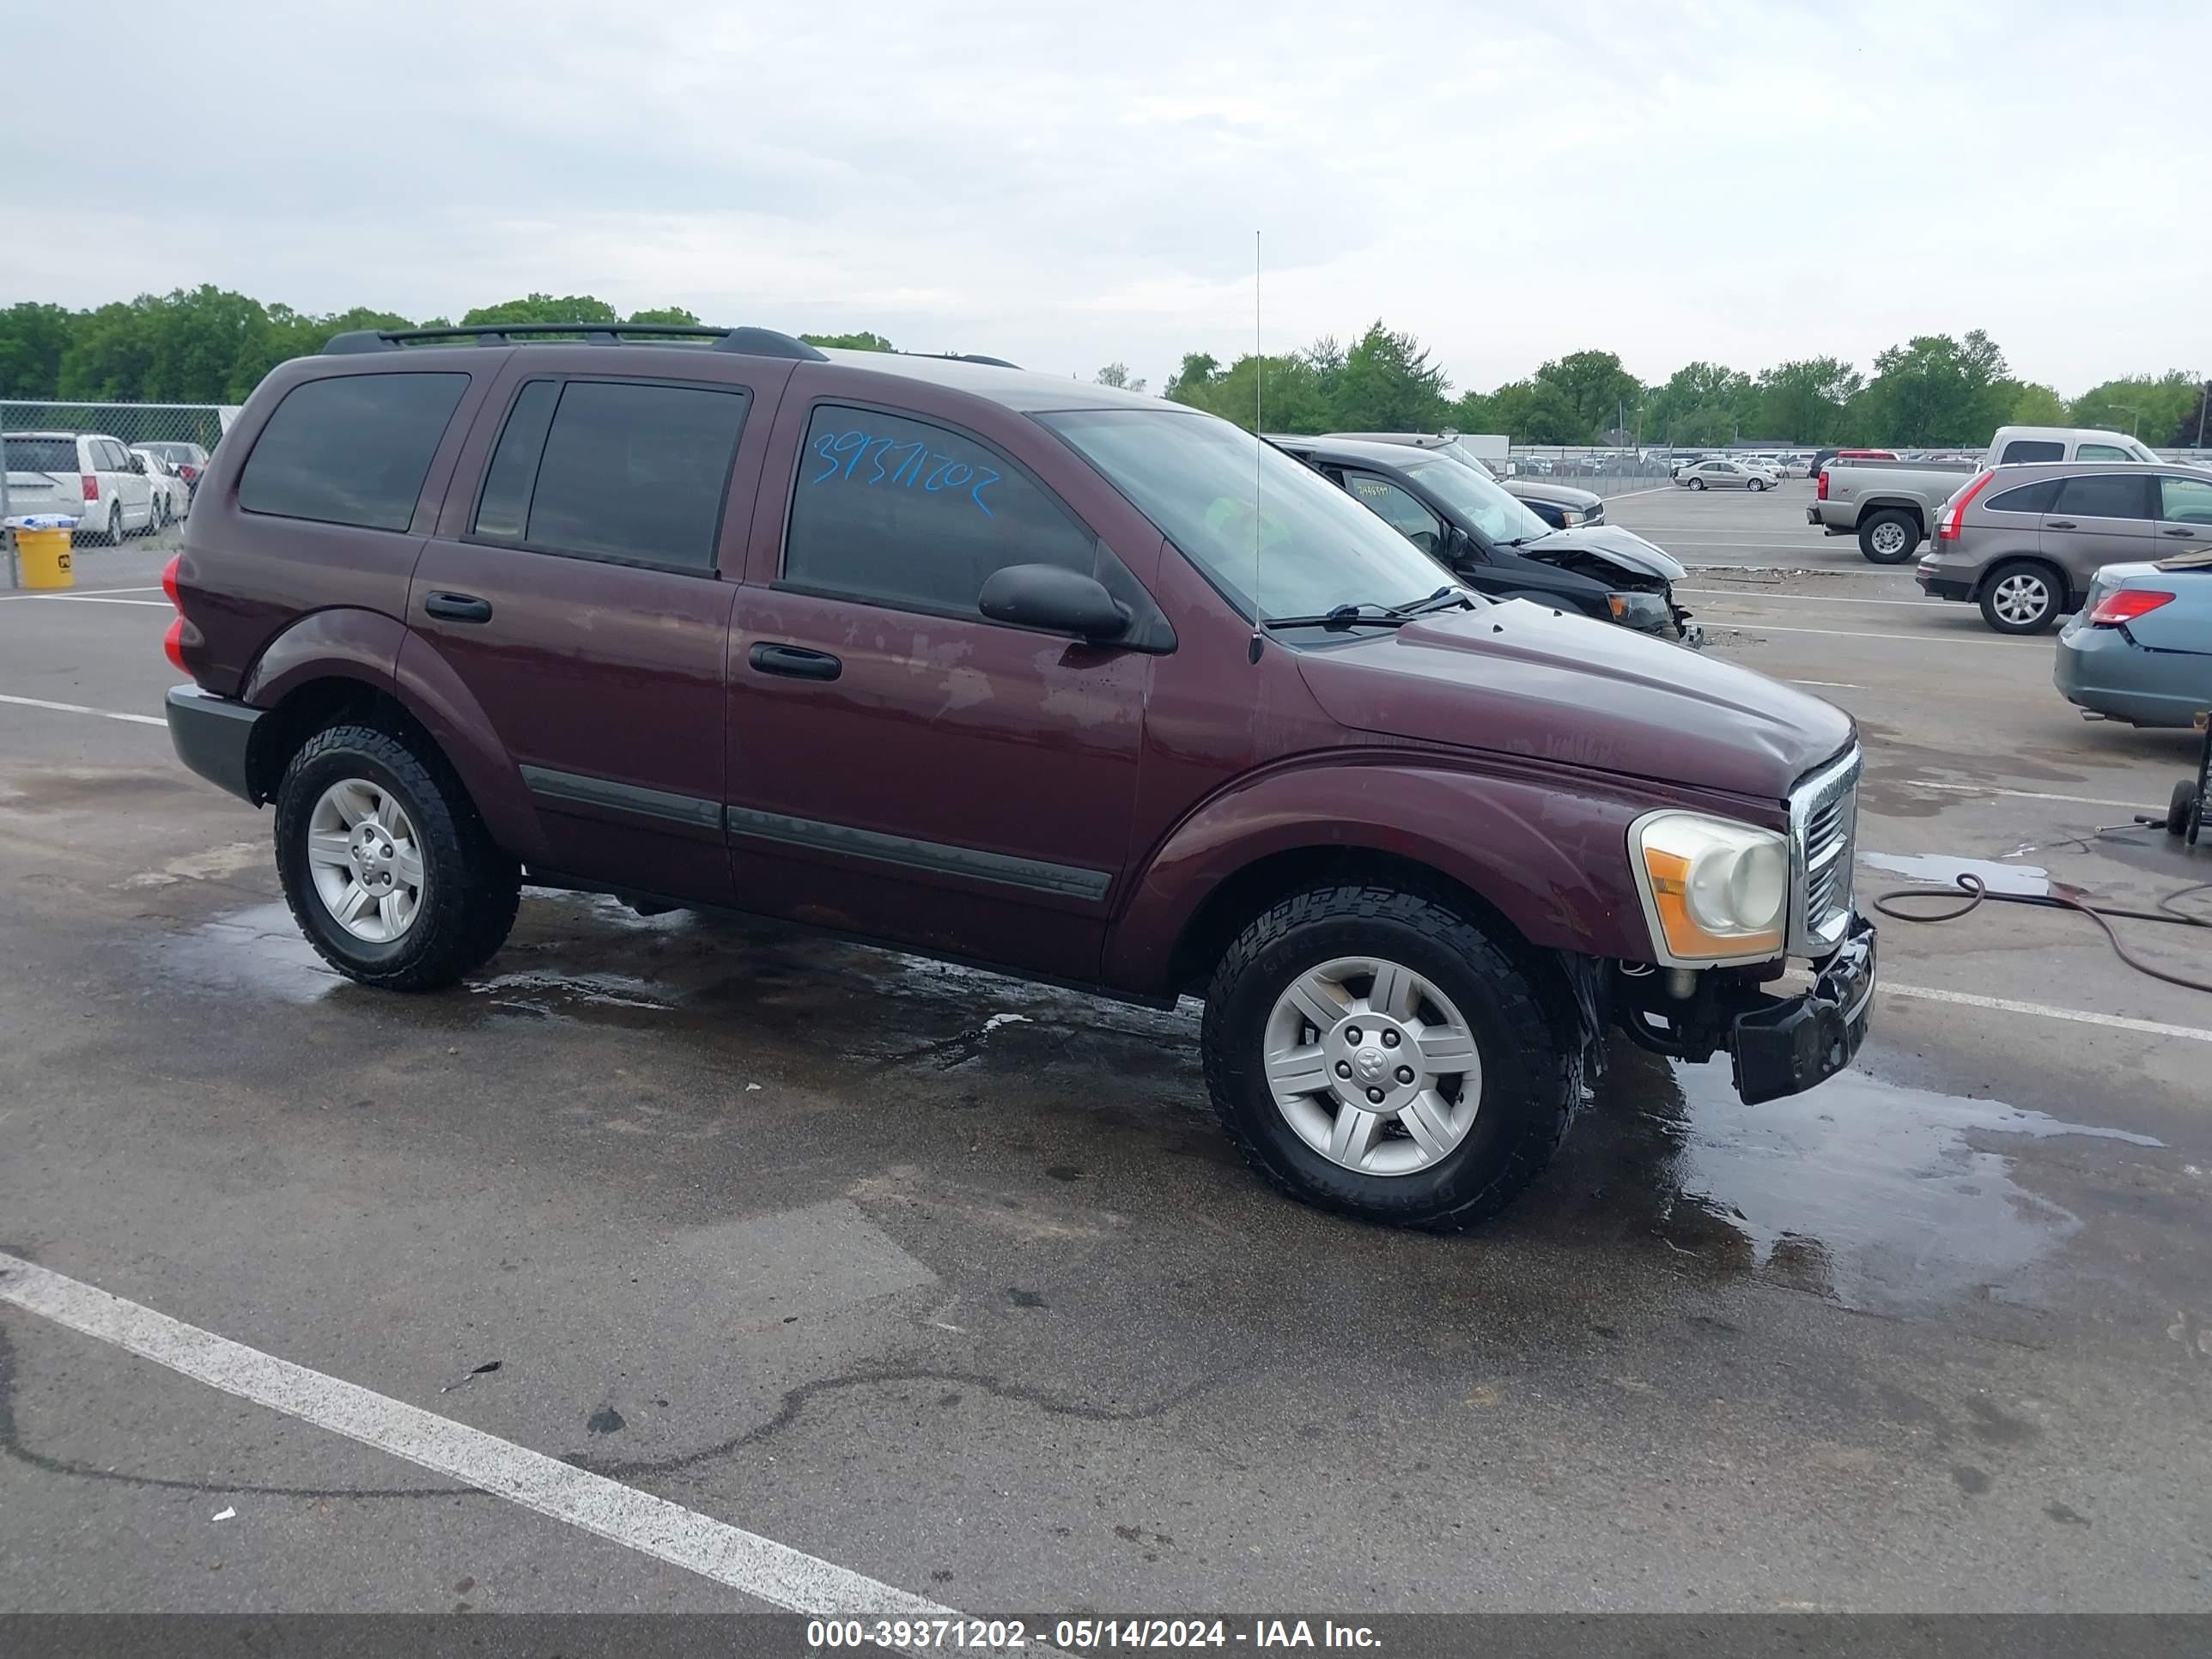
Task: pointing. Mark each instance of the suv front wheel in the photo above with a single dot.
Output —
(1372, 1052)
(386, 867)
(2021, 597)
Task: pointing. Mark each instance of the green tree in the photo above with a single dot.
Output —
(1284, 391)
(2195, 430)
(863, 340)
(1536, 411)
(1936, 390)
(2037, 405)
(674, 316)
(1196, 373)
(32, 337)
(1473, 412)
(1803, 402)
(110, 353)
(1388, 385)
(543, 308)
(2147, 406)
(1600, 391)
(1700, 400)
(1117, 375)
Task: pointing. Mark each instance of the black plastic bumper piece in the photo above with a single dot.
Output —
(1940, 587)
(212, 735)
(1794, 1043)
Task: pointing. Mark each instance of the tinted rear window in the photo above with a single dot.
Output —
(2106, 496)
(615, 470)
(41, 454)
(352, 449)
(2028, 498)
(2022, 450)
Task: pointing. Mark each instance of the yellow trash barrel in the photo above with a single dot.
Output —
(45, 555)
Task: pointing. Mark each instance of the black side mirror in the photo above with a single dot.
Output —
(1047, 596)
(137, 463)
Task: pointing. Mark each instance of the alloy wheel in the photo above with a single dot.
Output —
(1372, 1067)
(2020, 599)
(365, 860)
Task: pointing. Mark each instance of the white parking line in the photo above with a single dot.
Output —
(79, 708)
(1856, 633)
(2044, 1011)
(759, 1567)
(1811, 599)
(90, 593)
(101, 598)
(1835, 686)
(2020, 794)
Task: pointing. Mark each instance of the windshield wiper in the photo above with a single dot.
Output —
(1444, 599)
(1365, 613)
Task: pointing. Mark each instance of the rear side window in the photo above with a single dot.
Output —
(2185, 500)
(2105, 495)
(352, 449)
(2028, 498)
(899, 512)
(41, 454)
(2021, 450)
(632, 472)
(2104, 452)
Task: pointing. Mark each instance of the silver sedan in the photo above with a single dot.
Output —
(1724, 475)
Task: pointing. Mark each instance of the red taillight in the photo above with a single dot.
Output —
(169, 580)
(91, 482)
(2126, 604)
(1821, 493)
(188, 472)
(172, 645)
(1947, 528)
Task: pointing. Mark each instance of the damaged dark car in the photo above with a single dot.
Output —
(1495, 544)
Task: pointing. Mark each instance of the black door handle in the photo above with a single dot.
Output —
(458, 607)
(796, 661)
(2060, 524)
(2178, 530)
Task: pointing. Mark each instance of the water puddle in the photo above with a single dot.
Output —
(258, 950)
(1872, 1194)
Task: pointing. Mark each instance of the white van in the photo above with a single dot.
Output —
(2015, 445)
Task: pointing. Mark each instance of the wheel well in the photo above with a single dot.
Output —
(307, 709)
(1909, 509)
(1235, 902)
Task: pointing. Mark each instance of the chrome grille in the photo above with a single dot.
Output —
(1823, 827)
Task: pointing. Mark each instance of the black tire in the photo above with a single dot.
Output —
(1697, 484)
(1998, 586)
(1757, 486)
(470, 887)
(112, 536)
(1529, 1083)
(1889, 535)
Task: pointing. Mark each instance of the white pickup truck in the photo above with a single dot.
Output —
(1888, 505)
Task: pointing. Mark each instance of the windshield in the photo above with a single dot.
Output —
(1310, 548)
(40, 454)
(1477, 499)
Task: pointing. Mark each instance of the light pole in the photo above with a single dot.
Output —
(2202, 404)
(2134, 417)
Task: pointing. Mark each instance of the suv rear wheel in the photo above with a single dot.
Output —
(1372, 1052)
(388, 871)
(2021, 597)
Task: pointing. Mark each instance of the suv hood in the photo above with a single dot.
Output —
(1517, 678)
(1537, 489)
(1589, 544)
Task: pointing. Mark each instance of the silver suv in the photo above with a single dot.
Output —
(2024, 542)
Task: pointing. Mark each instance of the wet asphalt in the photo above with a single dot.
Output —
(950, 1280)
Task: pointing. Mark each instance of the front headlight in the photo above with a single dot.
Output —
(1649, 612)
(1569, 518)
(1714, 890)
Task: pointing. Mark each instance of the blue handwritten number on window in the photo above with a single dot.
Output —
(841, 452)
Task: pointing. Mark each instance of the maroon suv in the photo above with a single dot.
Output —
(1073, 683)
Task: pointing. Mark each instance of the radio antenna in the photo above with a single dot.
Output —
(1259, 371)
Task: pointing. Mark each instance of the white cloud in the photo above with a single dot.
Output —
(1732, 179)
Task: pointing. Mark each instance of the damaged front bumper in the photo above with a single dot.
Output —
(1791, 1043)
(1778, 1045)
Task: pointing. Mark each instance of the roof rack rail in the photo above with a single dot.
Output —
(751, 342)
(961, 357)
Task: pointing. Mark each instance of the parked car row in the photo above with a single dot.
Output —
(111, 490)
(1057, 679)
(1563, 507)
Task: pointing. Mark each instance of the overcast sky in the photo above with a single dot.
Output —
(1068, 185)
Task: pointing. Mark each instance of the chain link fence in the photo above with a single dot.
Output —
(124, 473)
